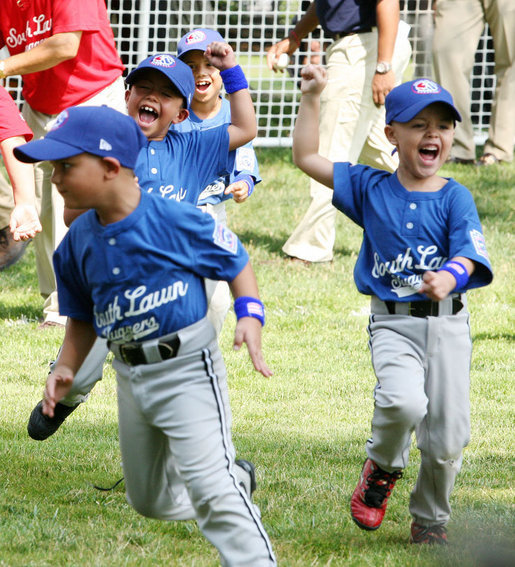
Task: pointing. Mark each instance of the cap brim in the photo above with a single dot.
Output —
(198, 47)
(45, 150)
(409, 113)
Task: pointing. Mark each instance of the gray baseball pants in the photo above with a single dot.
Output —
(173, 420)
(422, 366)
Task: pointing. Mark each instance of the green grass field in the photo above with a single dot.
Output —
(304, 428)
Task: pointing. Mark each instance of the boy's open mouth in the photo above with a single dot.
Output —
(202, 85)
(429, 152)
(147, 115)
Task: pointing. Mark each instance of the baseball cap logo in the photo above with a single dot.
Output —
(163, 60)
(104, 145)
(425, 86)
(60, 120)
(195, 36)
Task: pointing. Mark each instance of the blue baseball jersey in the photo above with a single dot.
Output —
(182, 164)
(406, 233)
(244, 157)
(143, 277)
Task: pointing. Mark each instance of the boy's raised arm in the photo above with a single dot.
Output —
(243, 126)
(305, 133)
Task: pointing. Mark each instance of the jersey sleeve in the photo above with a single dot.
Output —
(209, 249)
(74, 296)
(350, 183)
(12, 123)
(76, 15)
(245, 161)
(466, 236)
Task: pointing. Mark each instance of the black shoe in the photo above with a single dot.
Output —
(10, 250)
(250, 485)
(40, 426)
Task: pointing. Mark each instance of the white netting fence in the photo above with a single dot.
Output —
(142, 27)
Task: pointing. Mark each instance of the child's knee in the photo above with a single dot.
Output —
(407, 410)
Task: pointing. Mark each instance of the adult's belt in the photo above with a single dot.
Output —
(147, 352)
(422, 308)
(337, 36)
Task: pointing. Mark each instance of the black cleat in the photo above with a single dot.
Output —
(40, 426)
(249, 485)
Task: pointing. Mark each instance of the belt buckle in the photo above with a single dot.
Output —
(166, 351)
(126, 349)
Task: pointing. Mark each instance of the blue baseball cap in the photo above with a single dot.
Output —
(97, 130)
(404, 102)
(199, 39)
(173, 68)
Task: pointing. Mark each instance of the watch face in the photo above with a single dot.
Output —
(383, 68)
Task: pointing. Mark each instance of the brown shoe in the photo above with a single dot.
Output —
(10, 250)
(487, 159)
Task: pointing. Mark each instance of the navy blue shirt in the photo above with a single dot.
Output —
(344, 16)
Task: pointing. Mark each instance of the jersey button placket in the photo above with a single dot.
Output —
(411, 223)
(112, 260)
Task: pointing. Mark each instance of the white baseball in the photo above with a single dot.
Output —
(282, 62)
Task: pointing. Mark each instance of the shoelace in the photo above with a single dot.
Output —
(380, 483)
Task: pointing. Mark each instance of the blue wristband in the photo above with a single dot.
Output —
(249, 180)
(245, 306)
(234, 79)
(458, 270)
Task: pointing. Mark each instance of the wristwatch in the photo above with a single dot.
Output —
(383, 67)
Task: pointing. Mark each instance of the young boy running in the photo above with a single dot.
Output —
(422, 249)
(174, 166)
(131, 270)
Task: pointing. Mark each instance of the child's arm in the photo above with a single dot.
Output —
(438, 285)
(241, 187)
(305, 133)
(243, 127)
(78, 340)
(248, 328)
(24, 222)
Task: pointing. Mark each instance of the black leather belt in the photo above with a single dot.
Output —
(345, 34)
(423, 308)
(133, 354)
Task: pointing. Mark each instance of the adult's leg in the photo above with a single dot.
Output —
(458, 27)
(500, 15)
(343, 133)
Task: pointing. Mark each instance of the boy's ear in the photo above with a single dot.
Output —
(127, 95)
(181, 116)
(389, 131)
(111, 166)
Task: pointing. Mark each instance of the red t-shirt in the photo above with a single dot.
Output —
(11, 121)
(71, 82)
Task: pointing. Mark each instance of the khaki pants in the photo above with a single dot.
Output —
(351, 128)
(6, 202)
(50, 204)
(458, 27)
